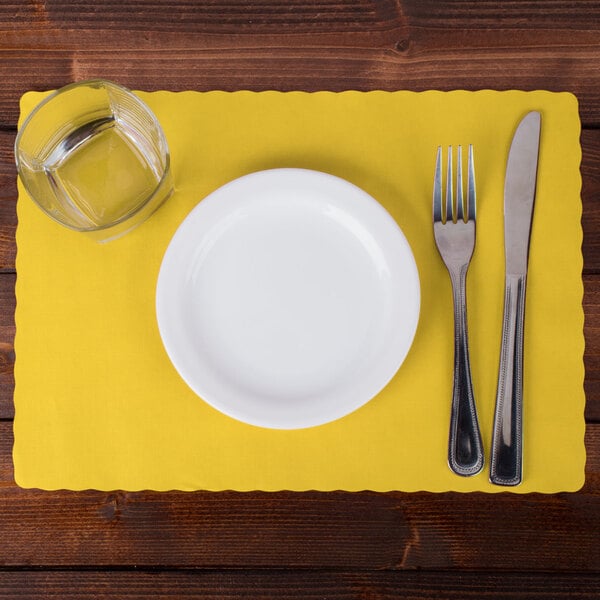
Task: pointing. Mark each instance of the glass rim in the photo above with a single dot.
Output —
(99, 82)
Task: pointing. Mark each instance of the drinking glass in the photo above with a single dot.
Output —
(93, 157)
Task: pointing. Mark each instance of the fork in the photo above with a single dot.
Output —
(454, 232)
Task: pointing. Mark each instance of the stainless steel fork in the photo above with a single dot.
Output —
(454, 232)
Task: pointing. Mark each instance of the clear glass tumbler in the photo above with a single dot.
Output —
(93, 156)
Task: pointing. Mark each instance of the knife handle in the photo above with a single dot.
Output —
(507, 444)
(465, 450)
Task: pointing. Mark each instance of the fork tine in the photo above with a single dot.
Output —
(437, 187)
(459, 187)
(471, 186)
(449, 202)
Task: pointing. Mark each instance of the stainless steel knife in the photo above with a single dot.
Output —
(506, 463)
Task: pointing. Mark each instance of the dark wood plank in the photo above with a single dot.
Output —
(7, 336)
(590, 194)
(314, 45)
(591, 307)
(309, 69)
(278, 584)
(8, 195)
(339, 530)
(300, 17)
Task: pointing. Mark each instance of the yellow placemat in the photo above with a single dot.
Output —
(99, 405)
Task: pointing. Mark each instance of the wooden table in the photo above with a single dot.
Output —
(301, 545)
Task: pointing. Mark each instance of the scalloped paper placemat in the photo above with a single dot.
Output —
(99, 405)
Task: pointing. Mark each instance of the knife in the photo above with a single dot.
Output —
(506, 465)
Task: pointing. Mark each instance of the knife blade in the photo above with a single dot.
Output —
(506, 464)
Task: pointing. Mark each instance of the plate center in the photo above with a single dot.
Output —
(285, 298)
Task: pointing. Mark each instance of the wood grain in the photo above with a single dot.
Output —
(265, 584)
(590, 195)
(371, 44)
(368, 530)
(7, 336)
(309, 69)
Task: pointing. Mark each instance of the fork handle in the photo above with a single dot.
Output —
(507, 453)
(465, 450)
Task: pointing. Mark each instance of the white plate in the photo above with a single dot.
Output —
(288, 298)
